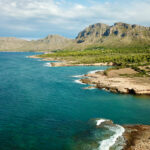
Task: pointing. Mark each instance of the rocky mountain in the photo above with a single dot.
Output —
(51, 42)
(120, 34)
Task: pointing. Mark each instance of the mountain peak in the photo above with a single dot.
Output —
(98, 25)
(120, 24)
(54, 36)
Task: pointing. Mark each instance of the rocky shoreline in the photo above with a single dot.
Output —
(67, 64)
(126, 137)
(119, 84)
(137, 137)
(61, 63)
(117, 81)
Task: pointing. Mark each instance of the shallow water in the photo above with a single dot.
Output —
(43, 108)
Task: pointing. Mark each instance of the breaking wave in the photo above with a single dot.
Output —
(48, 64)
(118, 132)
(78, 81)
(100, 134)
(78, 76)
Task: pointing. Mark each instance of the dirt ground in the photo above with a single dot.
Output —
(118, 72)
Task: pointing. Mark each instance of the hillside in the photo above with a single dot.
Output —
(118, 35)
(51, 42)
(12, 43)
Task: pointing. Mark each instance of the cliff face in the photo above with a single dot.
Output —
(120, 34)
(92, 33)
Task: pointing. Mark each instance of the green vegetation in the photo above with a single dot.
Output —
(121, 57)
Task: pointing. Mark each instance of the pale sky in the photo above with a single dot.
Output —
(34, 19)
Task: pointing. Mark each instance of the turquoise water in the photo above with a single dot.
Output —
(42, 108)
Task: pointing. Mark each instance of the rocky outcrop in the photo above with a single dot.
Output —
(128, 137)
(137, 137)
(92, 33)
(119, 84)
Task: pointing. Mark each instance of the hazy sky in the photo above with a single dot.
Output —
(38, 18)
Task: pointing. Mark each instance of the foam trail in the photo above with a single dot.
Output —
(78, 81)
(92, 88)
(48, 64)
(39, 60)
(94, 71)
(78, 76)
(106, 144)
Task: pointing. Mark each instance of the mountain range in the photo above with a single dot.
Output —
(118, 35)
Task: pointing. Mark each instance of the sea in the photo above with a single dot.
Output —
(47, 108)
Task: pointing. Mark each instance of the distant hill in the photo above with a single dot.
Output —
(51, 42)
(12, 43)
(118, 35)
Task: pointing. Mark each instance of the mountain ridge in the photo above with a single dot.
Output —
(106, 35)
(118, 35)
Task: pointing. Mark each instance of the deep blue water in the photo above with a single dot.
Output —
(42, 108)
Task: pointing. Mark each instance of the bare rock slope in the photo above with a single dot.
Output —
(120, 34)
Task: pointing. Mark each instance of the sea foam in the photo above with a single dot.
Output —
(78, 76)
(78, 81)
(118, 132)
(98, 122)
(92, 88)
(48, 64)
(106, 144)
